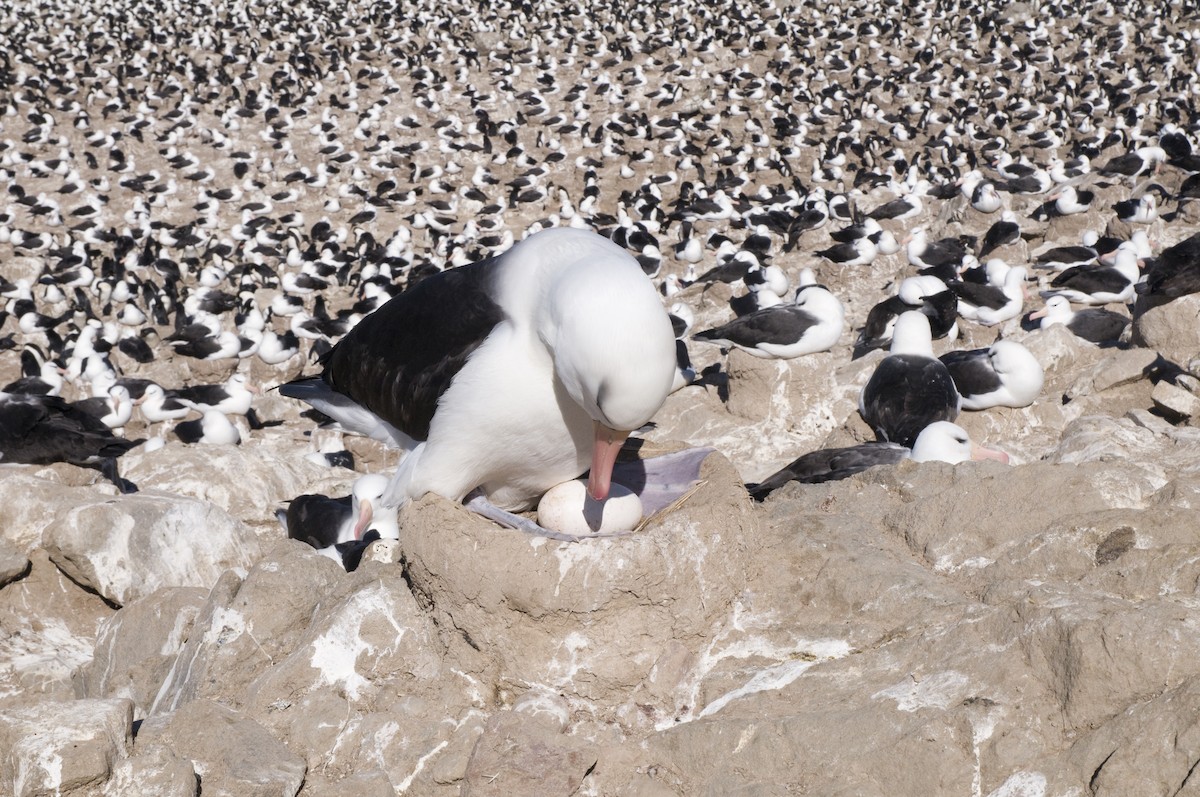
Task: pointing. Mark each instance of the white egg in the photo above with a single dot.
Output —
(568, 508)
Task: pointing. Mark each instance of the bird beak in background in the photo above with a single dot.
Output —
(365, 513)
(255, 389)
(604, 454)
(979, 452)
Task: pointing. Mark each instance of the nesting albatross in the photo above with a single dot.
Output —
(812, 323)
(939, 441)
(910, 388)
(324, 522)
(1006, 374)
(507, 376)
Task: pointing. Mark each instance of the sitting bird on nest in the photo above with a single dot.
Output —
(507, 376)
(910, 388)
(941, 441)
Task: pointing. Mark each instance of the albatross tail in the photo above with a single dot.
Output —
(350, 415)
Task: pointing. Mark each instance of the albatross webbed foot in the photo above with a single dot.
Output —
(479, 504)
(108, 467)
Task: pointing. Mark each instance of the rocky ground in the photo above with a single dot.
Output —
(1015, 631)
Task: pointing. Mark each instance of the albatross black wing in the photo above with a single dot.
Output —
(781, 325)
(907, 393)
(40, 430)
(829, 464)
(399, 360)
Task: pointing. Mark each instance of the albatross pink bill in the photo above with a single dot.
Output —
(607, 444)
(980, 453)
(365, 513)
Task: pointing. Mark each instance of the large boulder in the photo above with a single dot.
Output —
(232, 754)
(136, 647)
(1170, 328)
(249, 481)
(128, 548)
(48, 628)
(63, 748)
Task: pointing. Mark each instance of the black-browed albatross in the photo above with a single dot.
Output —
(41, 430)
(940, 441)
(509, 375)
(910, 388)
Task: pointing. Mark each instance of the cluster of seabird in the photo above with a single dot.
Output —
(239, 190)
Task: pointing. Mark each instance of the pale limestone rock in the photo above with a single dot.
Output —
(136, 647)
(1153, 451)
(153, 772)
(1117, 368)
(1171, 328)
(128, 548)
(29, 505)
(359, 784)
(233, 755)
(1175, 400)
(248, 481)
(336, 664)
(244, 627)
(48, 628)
(523, 754)
(66, 748)
(13, 563)
(1151, 743)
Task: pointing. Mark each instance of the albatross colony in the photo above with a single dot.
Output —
(200, 197)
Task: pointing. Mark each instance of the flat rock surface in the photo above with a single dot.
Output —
(64, 747)
(233, 755)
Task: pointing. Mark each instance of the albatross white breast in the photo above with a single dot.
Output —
(512, 374)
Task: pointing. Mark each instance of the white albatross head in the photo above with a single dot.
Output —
(912, 334)
(368, 510)
(612, 345)
(943, 441)
(1021, 373)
